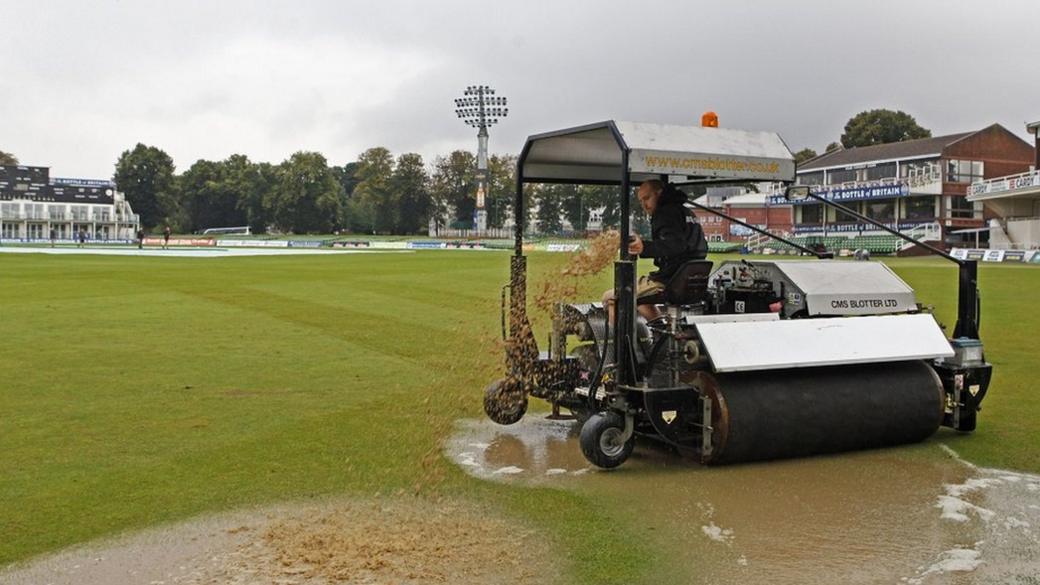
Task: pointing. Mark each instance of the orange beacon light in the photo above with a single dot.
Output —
(710, 119)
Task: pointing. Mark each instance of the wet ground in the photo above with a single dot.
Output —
(916, 515)
(401, 540)
(187, 252)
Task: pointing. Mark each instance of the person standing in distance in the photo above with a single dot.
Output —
(166, 237)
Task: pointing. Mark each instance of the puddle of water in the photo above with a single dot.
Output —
(534, 450)
(914, 515)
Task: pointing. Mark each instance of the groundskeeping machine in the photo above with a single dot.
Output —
(757, 359)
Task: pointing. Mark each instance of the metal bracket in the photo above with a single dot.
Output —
(673, 343)
(706, 428)
(958, 386)
(630, 428)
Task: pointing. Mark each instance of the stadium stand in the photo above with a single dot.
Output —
(875, 244)
(718, 247)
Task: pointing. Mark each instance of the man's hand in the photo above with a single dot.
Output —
(635, 245)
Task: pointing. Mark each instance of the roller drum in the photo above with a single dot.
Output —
(806, 411)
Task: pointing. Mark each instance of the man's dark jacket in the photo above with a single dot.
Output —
(676, 237)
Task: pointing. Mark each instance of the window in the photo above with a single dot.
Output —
(56, 211)
(881, 171)
(841, 176)
(811, 178)
(919, 208)
(963, 171)
(961, 207)
(842, 217)
(883, 210)
(811, 214)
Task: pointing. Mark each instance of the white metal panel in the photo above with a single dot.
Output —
(848, 288)
(586, 153)
(732, 318)
(706, 152)
(839, 276)
(589, 147)
(592, 153)
(803, 343)
(696, 139)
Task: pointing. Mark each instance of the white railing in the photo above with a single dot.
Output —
(757, 240)
(932, 175)
(923, 233)
(914, 181)
(239, 230)
(1006, 184)
(499, 233)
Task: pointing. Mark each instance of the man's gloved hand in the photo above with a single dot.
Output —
(635, 245)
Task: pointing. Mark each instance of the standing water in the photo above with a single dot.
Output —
(916, 515)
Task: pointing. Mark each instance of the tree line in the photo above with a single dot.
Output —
(383, 194)
(376, 194)
(871, 127)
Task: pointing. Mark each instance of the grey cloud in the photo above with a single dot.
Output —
(205, 79)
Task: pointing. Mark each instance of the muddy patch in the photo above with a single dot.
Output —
(916, 515)
(393, 540)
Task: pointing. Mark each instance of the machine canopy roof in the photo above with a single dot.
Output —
(687, 154)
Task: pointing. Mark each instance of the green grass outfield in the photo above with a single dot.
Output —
(136, 391)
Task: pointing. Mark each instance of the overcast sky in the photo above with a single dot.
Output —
(84, 80)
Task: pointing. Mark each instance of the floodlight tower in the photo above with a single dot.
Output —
(479, 107)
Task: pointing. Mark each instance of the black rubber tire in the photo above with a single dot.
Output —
(587, 356)
(598, 440)
(505, 402)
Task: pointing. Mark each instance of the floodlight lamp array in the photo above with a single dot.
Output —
(480, 107)
(479, 90)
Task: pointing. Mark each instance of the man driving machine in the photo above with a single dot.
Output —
(675, 238)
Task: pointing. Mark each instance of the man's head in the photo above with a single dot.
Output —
(649, 194)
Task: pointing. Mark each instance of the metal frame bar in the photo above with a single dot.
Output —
(624, 285)
(624, 269)
(897, 233)
(968, 308)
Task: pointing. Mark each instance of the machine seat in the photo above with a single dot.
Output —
(688, 286)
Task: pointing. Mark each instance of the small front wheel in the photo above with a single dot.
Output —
(505, 401)
(601, 442)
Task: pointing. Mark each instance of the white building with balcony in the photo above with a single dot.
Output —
(36, 207)
(1015, 202)
(911, 185)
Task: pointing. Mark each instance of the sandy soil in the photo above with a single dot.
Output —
(394, 540)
